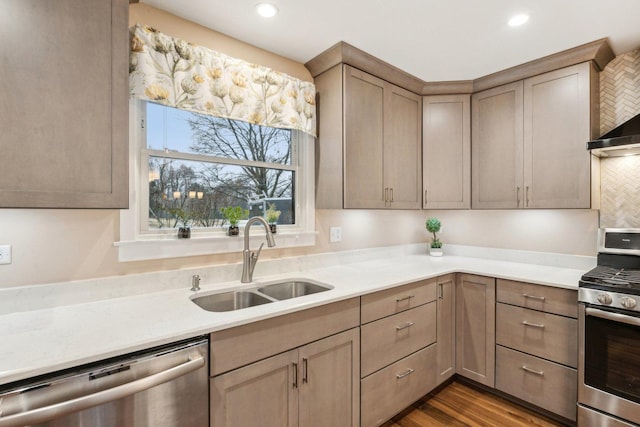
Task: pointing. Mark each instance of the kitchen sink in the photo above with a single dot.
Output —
(229, 301)
(258, 295)
(292, 289)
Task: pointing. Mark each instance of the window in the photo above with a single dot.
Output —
(187, 166)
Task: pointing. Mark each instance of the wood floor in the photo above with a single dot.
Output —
(460, 405)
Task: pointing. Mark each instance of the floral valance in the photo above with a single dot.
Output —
(179, 74)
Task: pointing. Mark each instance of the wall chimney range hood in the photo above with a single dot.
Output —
(621, 141)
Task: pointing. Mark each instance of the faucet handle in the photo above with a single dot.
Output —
(255, 255)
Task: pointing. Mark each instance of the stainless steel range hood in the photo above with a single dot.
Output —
(621, 141)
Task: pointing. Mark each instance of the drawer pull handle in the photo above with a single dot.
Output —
(534, 297)
(406, 373)
(408, 297)
(533, 371)
(295, 375)
(535, 325)
(405, 326)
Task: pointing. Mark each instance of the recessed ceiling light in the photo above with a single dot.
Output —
(518, 20)
(266, 10)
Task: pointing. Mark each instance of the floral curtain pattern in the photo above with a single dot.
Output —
(178, 74)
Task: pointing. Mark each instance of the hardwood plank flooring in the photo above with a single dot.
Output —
(461, 405)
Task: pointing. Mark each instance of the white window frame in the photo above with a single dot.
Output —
(136, 244)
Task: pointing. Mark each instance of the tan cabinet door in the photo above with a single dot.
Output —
(402, 148)
(446, 152)
(329, 381)
(363, 140)
(446, 331)
(497, 150)
(557, 124)
(475, 328)
(262, 394)
(64, 112)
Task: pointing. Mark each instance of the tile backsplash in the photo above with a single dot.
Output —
(620, 192)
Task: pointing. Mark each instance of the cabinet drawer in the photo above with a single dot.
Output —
(385, 303)
(545, 384)
(538, 297)
(239, 346)
(392, 389)
(544, 335)
(387, 340)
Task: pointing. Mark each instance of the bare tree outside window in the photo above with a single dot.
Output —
(199, 164)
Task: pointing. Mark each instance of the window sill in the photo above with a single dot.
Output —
(149, 249)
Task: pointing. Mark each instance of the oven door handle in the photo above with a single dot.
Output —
(616, 317)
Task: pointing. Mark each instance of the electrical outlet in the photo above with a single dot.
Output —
(335, 234)
(5, 254)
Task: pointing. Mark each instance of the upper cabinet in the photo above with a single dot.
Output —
(529, 141)
(64, 110)
(369, 149)
(446, 152)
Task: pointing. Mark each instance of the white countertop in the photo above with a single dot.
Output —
(45, 340)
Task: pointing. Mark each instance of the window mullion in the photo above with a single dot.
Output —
(214, 159)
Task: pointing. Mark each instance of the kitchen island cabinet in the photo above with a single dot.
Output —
(64, 115)
(529, 141)
(369, 150)
(446, 152)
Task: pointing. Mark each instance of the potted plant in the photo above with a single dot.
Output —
(272, 215)
(234, 214)
(183, 216)
(433, 226)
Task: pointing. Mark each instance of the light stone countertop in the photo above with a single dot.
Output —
(51, 338)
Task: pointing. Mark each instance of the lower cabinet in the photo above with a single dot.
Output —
(475, 328)
(392, 389)
(313, 385)
(543, 383)
(537, 348)
(446, 328)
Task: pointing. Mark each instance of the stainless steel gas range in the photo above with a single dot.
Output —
(609, 333)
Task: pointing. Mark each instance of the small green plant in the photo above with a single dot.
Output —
(233, 214)
(181, 215)
(272, 214)
(433, 226)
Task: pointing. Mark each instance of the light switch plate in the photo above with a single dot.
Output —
(5, 254)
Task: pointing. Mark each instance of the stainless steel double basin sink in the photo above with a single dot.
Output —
(258, 295)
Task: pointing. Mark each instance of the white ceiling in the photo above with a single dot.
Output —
(435, 40)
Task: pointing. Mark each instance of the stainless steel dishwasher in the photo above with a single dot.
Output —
(162, 387)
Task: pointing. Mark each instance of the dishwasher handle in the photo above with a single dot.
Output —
(50, 412)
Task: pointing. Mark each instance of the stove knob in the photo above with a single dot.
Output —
(604, 299)
(627, 302)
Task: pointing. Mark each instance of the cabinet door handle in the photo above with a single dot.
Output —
(425, 197)
(391, 191)
(405, 373)
(526, 196)
(533, 371)
(517, 197)
(295, 375)
(408, 297)
(440, 291)
(534, 325)
(386, 196)
(305, 371)
(534, 297)
(405, 326)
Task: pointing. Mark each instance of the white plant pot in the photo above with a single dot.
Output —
(435, 251)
